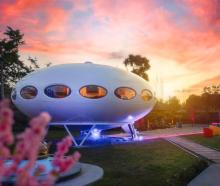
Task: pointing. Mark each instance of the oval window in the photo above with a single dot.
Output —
(28, 92)
(57, 91)
(146, 95)
(93, 91)
(125, 93)
(13, 95)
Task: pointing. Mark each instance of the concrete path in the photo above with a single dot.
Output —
(172, 132)
(211, 175)
(166, 133)
(207, 153)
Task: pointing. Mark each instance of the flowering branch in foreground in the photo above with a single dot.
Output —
(27, 148)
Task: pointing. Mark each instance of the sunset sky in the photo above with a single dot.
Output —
(181, 38)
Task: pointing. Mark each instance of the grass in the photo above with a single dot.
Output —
(154, 163)
(213, 142)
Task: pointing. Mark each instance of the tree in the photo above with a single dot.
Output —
(193, 103)
(138, 64)
(174, 108)
(213, 89)
(204, 107)
(12, 68)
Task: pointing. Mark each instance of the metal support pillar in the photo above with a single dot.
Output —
(133, 131)
(83, 140)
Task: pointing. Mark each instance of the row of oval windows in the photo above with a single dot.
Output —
(89, 91)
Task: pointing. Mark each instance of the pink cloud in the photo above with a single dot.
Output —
(35, 18)
(206, 11)
(156, 32)
(150, 27)
(105, 28)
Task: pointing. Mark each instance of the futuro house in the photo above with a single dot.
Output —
(85, 94)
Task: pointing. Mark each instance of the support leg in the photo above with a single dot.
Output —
(47, 129)
(73, 139)
(83, 140)
(133, 131)
(87, 135)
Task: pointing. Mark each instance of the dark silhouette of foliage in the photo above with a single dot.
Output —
(193, 103)
(164, 115)
(12, 68)
(206, 107)
(206, 102)
(33, 62)
(213, 89)
(138, 64)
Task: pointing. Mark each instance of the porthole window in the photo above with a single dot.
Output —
(146, 95)
(57, 91)
(93, 91)
(125, 93)
(13, 95)
(28, 92)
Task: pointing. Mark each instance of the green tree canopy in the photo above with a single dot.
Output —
(12, 68)
(138, 64)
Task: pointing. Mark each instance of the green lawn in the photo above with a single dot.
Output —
(154, 163)
(213, 142)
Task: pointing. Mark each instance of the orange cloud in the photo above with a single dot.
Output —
(207, 82)
(198, 87)
(184, 34)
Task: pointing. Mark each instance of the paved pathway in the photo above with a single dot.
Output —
(172, 132)
(210, 154)
(168, 132)
(211, 175)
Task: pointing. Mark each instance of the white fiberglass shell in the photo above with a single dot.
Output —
(77, 110)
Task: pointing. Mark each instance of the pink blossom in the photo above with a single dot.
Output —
(4, 103)
(4, 152)
(76, 156)
(40, 168)
(27, 147)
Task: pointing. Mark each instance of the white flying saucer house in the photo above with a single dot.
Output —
(83, 95)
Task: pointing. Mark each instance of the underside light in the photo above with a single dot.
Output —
(139, 138)
(130, 118)
(95, 133)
